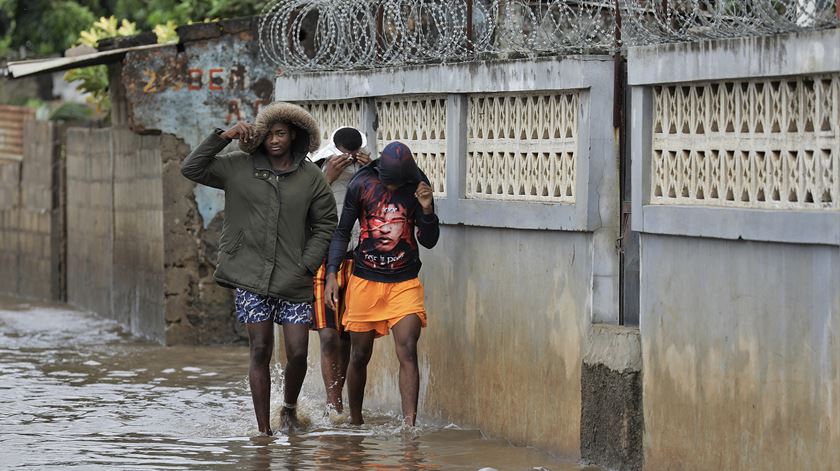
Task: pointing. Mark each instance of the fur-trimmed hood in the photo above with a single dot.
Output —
(308, 137)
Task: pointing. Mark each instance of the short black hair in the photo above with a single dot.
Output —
(348, 138)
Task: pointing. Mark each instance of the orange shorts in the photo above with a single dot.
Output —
(373, 305)
(323, 316)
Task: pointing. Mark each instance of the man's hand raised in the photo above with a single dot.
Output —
(335, 165)
(425, 196)
(242, 130)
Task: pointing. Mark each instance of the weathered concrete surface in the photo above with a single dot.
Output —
(197, 310)
(616, 347)
(89, 219)
(31, 216)
(138, 233)
(43, 185)
(136, 240)
(740, 354)
(807, 52)
(9, 223)
(215, 81)
(507, 311)
(612, 424)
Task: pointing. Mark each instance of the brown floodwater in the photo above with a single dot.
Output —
(78, 393)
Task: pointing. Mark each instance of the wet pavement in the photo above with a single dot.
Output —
(77, 393)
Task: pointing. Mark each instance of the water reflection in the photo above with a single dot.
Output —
(77, 392)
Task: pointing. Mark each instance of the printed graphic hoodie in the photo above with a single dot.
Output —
(387, 250)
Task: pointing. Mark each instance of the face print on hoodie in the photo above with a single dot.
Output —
(387, 216)
(391, 220)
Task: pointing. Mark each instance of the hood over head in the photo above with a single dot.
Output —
(397, 165)
(308, 138)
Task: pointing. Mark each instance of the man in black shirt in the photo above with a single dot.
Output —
(390, 198)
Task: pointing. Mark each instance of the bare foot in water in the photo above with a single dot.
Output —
(264, 438)
(288, 420)
(356, 419)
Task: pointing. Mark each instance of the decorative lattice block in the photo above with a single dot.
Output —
(522, 146)
(769, 143)
(420, 123)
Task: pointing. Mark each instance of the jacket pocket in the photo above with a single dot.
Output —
(235, 244)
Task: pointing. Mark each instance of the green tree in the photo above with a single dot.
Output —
(148, 13)
(42, 27)
(47, 27)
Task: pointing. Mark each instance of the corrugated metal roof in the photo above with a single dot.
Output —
(11, 131)
(41, 66)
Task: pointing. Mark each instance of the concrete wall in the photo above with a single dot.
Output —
(138, 268)
(503, 347)
(25, 202)
(90, 219)
(739, 299)
(9, 224)
(141, 239)
(214, 78)
(41, 243)
(133, 229)
(741, 358)
(514, 285)
(31, 216)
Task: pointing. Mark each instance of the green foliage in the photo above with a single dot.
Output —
(71, 112)
(234, 8)
(149, 13)
(166, 32)
(94, 80)
(106, 28)
(45, 27)
(34, 103)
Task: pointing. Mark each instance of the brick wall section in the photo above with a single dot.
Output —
(138, 252)
(198, 311)
(89, 219)
(138, 283)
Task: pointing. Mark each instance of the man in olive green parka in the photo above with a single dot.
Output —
(279, 217)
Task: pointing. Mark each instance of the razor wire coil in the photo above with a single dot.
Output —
(321, 35)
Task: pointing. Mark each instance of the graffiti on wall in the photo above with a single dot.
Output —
(232, 80)
(216, 82)
(189, 90)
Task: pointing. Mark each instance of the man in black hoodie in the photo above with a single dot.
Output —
(390, 198)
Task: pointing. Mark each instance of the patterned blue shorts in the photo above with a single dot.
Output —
(252, 308)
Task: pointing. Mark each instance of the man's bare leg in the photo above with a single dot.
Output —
(296, 338)
(335, 354)
(406, 332)
(362, 347)
(261, 343)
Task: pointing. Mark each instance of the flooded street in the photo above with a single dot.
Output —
(78, 393)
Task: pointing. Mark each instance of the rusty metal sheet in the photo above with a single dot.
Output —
(11, 130)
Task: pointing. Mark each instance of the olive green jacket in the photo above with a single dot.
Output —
(277, 225)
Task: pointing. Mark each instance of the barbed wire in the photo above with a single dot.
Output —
(346, 34)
